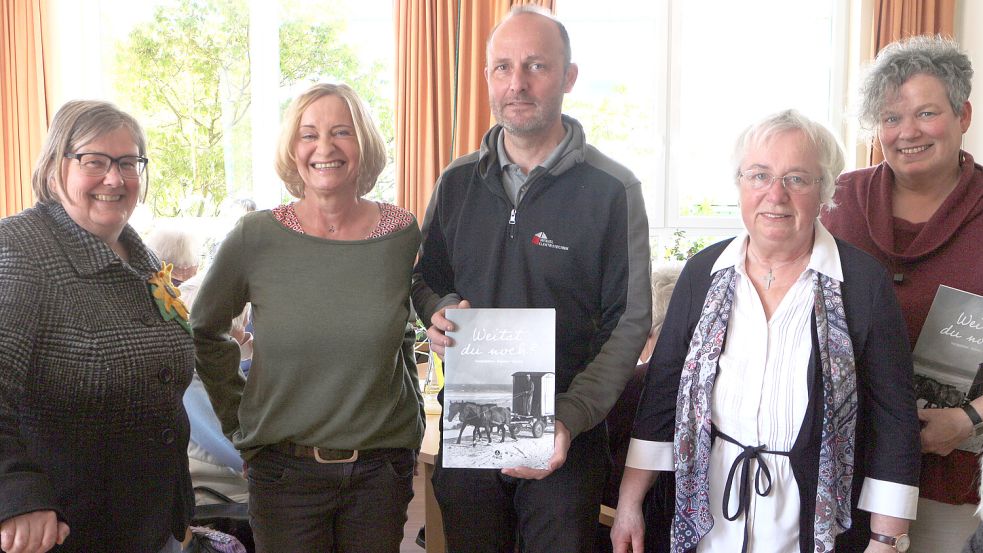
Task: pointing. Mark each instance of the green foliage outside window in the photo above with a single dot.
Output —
(706, 207)
(683, 248)
(618, 124)
(186, 75)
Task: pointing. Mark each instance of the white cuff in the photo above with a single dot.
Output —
(643, 454)
(889, 498)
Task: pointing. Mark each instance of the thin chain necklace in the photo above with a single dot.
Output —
(770, 277)
(330, 228)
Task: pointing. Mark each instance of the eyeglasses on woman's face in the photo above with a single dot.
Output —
(94, 164)
(794, 183)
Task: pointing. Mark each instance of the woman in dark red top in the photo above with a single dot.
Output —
(920, 212)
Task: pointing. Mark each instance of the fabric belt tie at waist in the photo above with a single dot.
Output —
(319, 454)
(762, 479)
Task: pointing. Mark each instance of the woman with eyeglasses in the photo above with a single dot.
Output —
(780, 389)
(920, 213)
(95, 354)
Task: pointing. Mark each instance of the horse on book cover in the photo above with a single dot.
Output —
(487, 416)
(469, 414)
(494, 417)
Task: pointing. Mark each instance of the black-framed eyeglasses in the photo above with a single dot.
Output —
(794, 183)
(94, 164)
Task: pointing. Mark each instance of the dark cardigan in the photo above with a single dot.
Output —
(886, 445)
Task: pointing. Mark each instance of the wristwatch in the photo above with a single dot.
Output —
(900, 543)
(974, 416)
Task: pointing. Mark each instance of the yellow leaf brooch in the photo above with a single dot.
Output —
(168, 297)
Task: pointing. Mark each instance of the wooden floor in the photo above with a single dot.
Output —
(414, 517)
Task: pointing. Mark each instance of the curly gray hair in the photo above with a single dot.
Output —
(897, 62)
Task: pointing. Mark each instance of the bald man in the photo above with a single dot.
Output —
(537, 218)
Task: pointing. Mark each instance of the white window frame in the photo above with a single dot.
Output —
(664, 218)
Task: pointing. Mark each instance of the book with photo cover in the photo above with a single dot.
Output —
(499, 388)
(948, 355)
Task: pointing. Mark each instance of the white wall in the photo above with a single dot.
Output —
(969, 19)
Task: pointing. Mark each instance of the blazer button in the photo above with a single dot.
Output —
(165, 375)
(148, 318)
(167, 436)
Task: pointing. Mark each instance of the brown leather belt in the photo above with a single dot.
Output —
(319, 454)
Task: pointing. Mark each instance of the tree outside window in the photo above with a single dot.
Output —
(186, 74)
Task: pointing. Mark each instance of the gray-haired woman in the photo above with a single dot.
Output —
(780, 390)
(920, 213)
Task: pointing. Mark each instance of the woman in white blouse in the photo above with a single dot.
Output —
(780, 389)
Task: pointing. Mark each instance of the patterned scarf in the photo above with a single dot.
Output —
(691, 446)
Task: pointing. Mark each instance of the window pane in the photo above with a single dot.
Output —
(730, 66)
(665, 88)
(209, 80)
(620, 90)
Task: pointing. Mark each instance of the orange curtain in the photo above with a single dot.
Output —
(23, 112)
(442, 107)
(897, 19)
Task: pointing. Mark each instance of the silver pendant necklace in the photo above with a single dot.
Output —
(770, 277)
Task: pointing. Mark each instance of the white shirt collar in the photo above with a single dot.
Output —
(825, 257)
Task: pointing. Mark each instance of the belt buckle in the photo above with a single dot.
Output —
(319, 459)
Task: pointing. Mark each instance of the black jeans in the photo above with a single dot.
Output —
(486, 512)
(298, 504)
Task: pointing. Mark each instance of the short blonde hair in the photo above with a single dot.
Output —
(371, 146)
(76, 124)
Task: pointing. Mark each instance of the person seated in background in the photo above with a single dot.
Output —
(241, 329)
(622, 416)
(175, 246)
(664, 277)
(230, 212)
(212, 459)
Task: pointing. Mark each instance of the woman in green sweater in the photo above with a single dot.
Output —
(330, 418)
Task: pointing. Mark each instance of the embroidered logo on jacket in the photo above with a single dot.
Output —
(540, 239)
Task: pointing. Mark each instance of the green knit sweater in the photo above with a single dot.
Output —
(328, 368)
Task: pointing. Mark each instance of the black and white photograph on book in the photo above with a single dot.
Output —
(948, 355)
(500, 388)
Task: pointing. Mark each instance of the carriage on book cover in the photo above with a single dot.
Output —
(533, 398)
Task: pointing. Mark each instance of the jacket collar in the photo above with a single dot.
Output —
(575, 152)
(87, 252)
